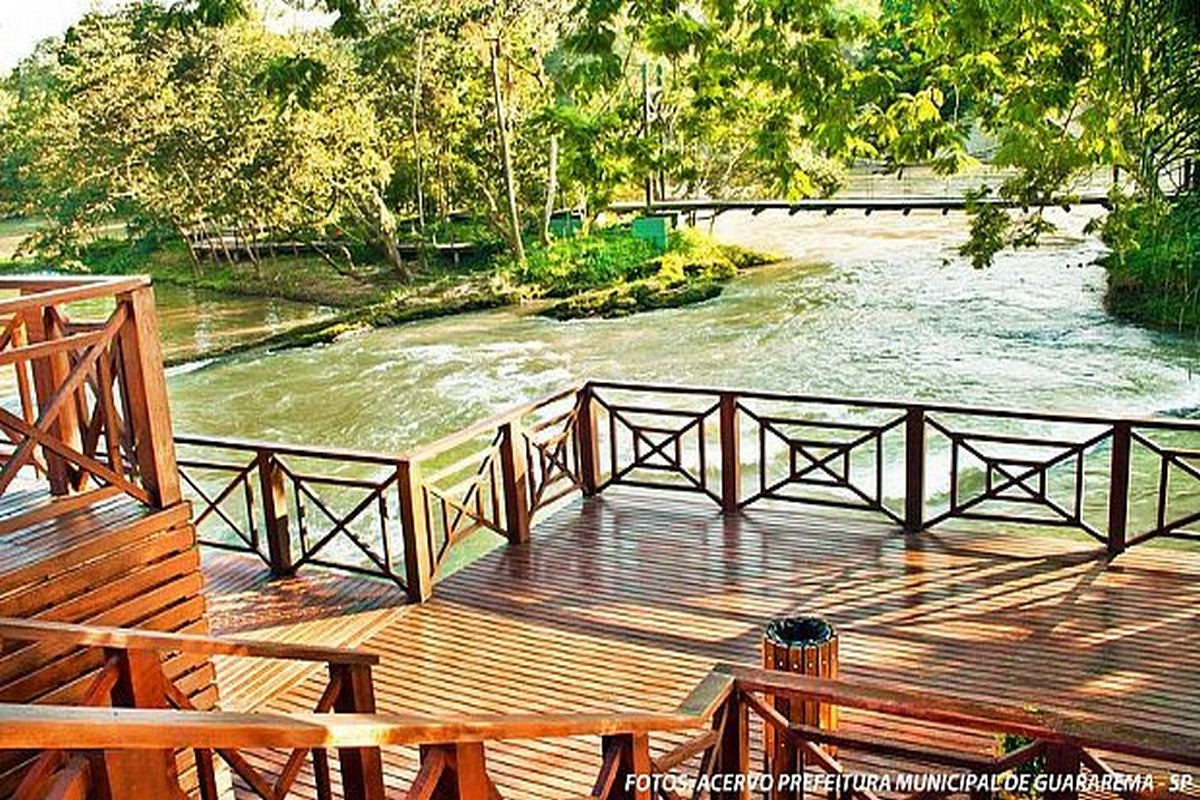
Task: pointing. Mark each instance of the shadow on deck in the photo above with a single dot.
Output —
(623, 602)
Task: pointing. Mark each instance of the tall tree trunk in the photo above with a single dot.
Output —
(506, 157)
(191, 248)
(387, 234)
(551, 189)
(416, 133)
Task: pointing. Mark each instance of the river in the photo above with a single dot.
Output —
(877, 306)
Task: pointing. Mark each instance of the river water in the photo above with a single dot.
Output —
(878, 306)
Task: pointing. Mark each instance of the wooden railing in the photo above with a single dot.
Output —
(916, 465)
(91, 408)
(1122, 481)
(133, 677)
(714, 723)
(403, 517)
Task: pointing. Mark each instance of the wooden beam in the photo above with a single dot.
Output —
(25, 630)
(272, 485)
(130, 775)
(150, 416)
(588, 442)
(514, 478)
(1118, 486)
(914, 469)
(362, 767)
(414, 524)
(41, 727)
(731, 458)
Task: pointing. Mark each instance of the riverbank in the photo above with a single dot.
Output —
(1158, 283)
(607, 273)
(603, 275)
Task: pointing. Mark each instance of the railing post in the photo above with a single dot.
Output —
(513, 477)
(145, 382)
(731, 456)
(1118, 487)
(733, 744)
(914, 469)
(588, 442)
(48, 374)
(1061, 760)
(275, 513)
(418, 560)
(134, 774)
(362, 767)
(633, 760)
(461, 773)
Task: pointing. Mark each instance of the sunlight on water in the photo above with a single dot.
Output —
(876, 306)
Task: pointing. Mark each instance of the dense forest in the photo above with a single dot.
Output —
(403, 122)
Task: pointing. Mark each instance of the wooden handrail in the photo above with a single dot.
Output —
(130, 639)
(302, 451)
(44, 293)
(899, 405)
(63, 727)
(47, 727)
(1056, 727)
(489, 425)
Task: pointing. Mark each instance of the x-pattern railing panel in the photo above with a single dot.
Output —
(552, 458)
(1017, 472)
(224, 508)
(1176, 465)
(333, 512)
(820, 461)
(661, 447)
(76, 424)
(474, 501)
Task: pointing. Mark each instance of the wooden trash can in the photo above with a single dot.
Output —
(807, 646)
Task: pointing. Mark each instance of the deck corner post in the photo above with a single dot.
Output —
(731, 457)
(362, 767)
(275, 513)
(1118, 487)
(588, 442)
(418, 560)
(914, 469)
(733, 744)
(514, 477)
(150, 416)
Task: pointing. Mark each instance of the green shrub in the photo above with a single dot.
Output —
(1154, 266)
(577, 263)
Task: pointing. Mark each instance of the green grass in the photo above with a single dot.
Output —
(12, 233)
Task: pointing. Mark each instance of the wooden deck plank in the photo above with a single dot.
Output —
(623, 602)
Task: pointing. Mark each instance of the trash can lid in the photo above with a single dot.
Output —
(789, 631)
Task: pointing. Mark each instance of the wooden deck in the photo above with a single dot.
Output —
(623, 602)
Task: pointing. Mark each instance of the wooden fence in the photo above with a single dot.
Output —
(408, 517)
(133, 677)
(90, 411)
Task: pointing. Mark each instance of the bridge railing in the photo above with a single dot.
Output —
(415, 517)
(696, 749)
